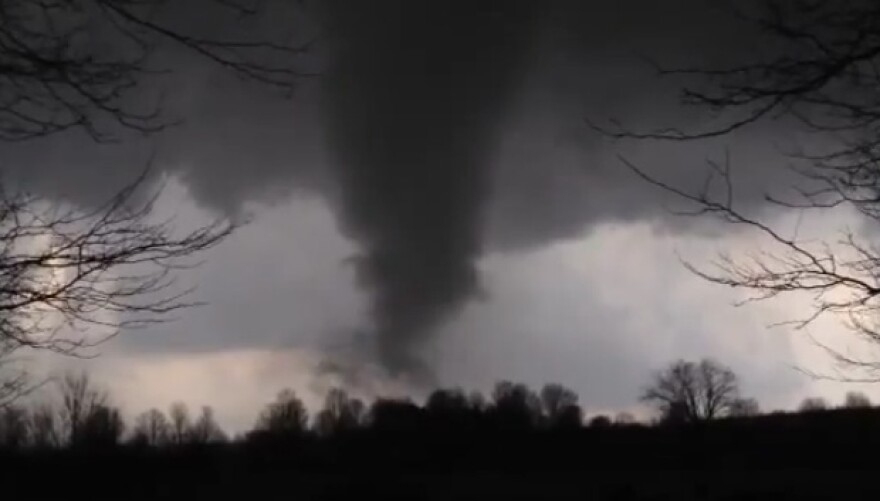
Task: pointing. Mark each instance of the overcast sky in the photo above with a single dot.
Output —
(432, 209)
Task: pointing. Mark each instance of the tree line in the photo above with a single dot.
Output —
(83, 416)
(63, 266)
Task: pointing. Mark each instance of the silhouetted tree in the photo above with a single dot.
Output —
(152, 428)
(387, 414)
(341, 413)
(287, 415)
(856, 400)
(600, 421)
(813, 404)
(13, 427)
(101, 427)
(515, 406)
(447, 401)
(205, 429)
(44, 427)
(180, 423)
(570, 418)
(108, 267)
(689, 391)
(14, 380)
(451, 408)
(818, 76)
(624, 418)
(64, 266)
(560, 405)
(80, 400)
(55, 79)
(477, 402)
(744, 407)
(676, 413)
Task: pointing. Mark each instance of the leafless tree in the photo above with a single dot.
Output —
(813, 404)
(13, 427)
(477, 401)
(93, 66)
(819, 73)
(205, 429)
(341, 413)
(14, 380)
(560, 406)
(102, 427)
(286, 415)
(80, 400)
(515, 405)
(44, 427)
(600, 421)
(692, 392)
(856, 400)
(624, 418)
(152, 428)
(555, 398)
(66, 270)
(180, 423)
(447, 402)
(744, 407)
(74, 277)
(82, 64)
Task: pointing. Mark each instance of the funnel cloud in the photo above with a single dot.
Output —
(437, 137)
(414, 104)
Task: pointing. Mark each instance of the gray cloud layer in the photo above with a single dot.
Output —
(437, 132)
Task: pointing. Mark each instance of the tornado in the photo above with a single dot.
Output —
(413, 102)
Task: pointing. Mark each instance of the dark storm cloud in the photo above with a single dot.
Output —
(239, 141)
(229, 139)
(441, 115)
(438, 131)
(414, 105)
(555, 177)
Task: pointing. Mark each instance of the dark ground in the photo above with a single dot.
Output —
(819, 455)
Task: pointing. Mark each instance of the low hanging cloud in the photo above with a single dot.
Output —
(414, 104)
(436, 133)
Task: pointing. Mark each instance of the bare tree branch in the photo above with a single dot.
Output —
(690, 392)
(81, 64)
(824, 72)
(71, 277)
(66, 270)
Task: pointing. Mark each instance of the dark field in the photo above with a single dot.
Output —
(820, 455)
